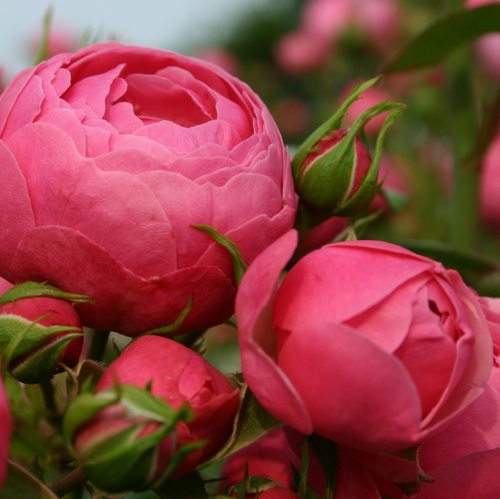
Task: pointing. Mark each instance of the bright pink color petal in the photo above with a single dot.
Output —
(124, 302)
(384, 416)
(257, 341)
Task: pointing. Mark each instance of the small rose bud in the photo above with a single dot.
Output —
(123, 437)
(39, 334)
(333, 170)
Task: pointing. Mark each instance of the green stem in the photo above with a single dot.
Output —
(464, 129)
(69, 482)
(49, 398)
(98, 342)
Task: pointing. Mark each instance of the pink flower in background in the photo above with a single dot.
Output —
(302, 51)
(369, 98)
(309, 349)
(490, 185)
(220, 57)
(488, 46)
(179, 375)
(110, 156)
(5, 431)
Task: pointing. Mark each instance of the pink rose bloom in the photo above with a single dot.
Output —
(369, 98)
(110, 156)
(301, 51)
(5, 431)
(490, 185)
(491, 309)
(4, 286)
(179, 375)
(311, 348)
(464, 459)
(488, 46)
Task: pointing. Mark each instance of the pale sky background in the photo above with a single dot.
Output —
(169, 24)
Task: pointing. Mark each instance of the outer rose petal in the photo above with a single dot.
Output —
(125, 302)
(4, 286)
(16, 214)
(257, 341)
(384, 415)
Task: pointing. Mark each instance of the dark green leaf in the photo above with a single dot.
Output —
(452, 257)
(326, 452)
(20, 484)
(189, 486)
(251, 423)
(446, 35)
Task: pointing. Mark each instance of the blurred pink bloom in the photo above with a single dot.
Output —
(292, 116)
(488, 46)
(60, 40)
(490, 185)
(302, 51)
(370, 97)
(220, 57)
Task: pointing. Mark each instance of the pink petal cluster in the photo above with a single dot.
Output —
(488, 46)
(364, 343)
(323, 23)
(110, 156)
(490, 185)
(180, 375)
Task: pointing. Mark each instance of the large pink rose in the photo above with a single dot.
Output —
(364, 343)
(110, 156)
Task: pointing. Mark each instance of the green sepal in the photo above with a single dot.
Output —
(332, 124)
(42, 363)
(369, 187)
(169, 331)
(35, 289)
(82, 378)
(413, 487)
(239, 264)
(253, 485)
(251, 422)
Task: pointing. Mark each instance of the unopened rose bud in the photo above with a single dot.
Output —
(180, 376)
(123, 437)
(333, 170)
(349, 168)
(38, 332)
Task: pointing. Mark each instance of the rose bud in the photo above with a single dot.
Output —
(123, 437)
(47, 328)
(310, 348)
(180, 376)
(333, 170)
(5, 431)
(110, 157)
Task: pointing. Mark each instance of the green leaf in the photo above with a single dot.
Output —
(239, 264)
(452, 257)
(251, 423)
(35, 469)
(446, 35)
(20, 484)
(189, 486)
(34, 289)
